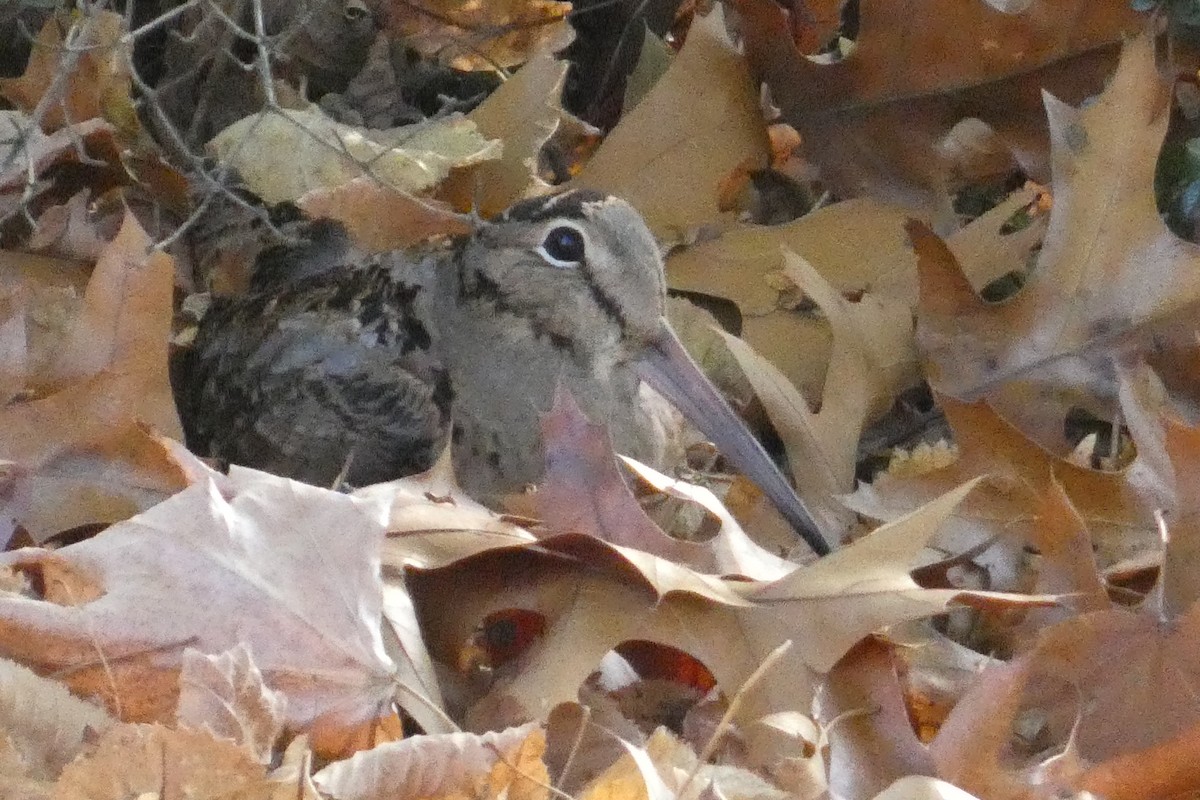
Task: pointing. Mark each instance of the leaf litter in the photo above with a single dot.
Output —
(245, 634)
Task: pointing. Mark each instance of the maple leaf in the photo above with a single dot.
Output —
(265, 553)
(225, 693)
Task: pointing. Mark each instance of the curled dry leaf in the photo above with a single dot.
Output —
(733, 552)
(432, 522)
(487, 766)
(523, 113)
(288, 569)
(284, 154)
(583, 492)
(857, 246)
(594, 596)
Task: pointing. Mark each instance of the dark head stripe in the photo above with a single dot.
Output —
(564, 205)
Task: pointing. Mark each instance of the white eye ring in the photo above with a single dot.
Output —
(563, 245)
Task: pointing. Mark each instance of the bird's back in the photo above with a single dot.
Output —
(323, 372)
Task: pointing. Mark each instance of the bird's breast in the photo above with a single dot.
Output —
(504, 379)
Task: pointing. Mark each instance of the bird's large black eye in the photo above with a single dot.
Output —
(564, 245)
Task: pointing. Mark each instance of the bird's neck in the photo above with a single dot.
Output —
(504, 369)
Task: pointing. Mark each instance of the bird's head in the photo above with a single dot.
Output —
(584, 271)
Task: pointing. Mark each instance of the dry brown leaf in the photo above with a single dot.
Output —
(450, 766)
(920, 68)
(594, 596)
(284, 154)
(381, 218)
(669, 155)
(1113, 687)
(973, 748)
(1066, 564)
(82, 452)
(266, 554)
(432, 522)
(1109, 277)
(1016, 470)
(523, 114)
(225, 694)
(136, 760)
(822, 447)
(96, 61)
(857, 246)
(869, 752)
(472, 35)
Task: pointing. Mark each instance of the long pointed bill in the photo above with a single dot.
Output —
(668, 368)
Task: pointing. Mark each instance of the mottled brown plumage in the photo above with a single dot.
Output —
(337, 364)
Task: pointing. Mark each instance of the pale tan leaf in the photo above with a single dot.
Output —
(669, 155)
(449, 765)
(304, 559)
(523, 113)
(137, 760)
(282, 155)
(857, 246)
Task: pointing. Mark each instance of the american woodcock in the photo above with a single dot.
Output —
(335, 364)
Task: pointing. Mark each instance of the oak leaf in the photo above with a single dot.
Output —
(669, 154)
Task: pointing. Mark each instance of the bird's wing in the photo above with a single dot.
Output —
(333, 369)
